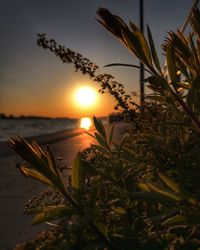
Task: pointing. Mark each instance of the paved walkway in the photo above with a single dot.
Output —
(15, 190)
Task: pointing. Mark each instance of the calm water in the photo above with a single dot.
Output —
(33, 127)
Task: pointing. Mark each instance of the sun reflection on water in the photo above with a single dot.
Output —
(86, 123)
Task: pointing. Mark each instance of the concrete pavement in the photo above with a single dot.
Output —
(15, 190)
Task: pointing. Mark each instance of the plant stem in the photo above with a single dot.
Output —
(186, 109)
(90, 223)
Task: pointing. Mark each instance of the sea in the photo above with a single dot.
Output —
(34, 127)
(28, 127)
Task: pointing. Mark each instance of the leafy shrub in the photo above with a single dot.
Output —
(144, 192)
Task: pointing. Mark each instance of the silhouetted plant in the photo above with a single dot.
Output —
(142, 193)
(182, 54)
(108, 85)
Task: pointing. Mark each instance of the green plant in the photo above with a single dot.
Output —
(142, 193)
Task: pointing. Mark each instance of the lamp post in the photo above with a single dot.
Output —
(142, 98)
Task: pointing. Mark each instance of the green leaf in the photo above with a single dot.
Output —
(184, 85)
(171, 184)
(102, 228)
(163, 192)
(55, 176)
(180, 45)
(132, 43)
(52, 162)
(29, 153)
(196, 62)
(181, 66)
(187, 219)
(77, 172)
(171, 63)
(177, 188)
(102, 141)
(119, 210)
(195, 21)
(99, 127)
(110, 138)
(36, 210)
(153, 50)
(110, 22)
(122, 143)
(143, 186)
(193, 98)
(149, 196)
(114, 201)
(89, 134)
(198, 48)
(101, 149)
(36, 175)
(176, 220)
(143, 43)
(156, 98)
(51, 213)
(158, 82)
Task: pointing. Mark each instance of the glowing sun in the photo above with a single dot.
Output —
(86, 96)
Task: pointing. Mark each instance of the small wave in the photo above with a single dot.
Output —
(34, 127)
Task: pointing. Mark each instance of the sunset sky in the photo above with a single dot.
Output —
(34, 82)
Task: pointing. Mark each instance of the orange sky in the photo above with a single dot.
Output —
(34, 82)
(62, 103)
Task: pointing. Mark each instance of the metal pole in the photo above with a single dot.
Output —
(142, 98)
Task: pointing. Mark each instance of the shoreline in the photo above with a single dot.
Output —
(42, 139)
(51, 138)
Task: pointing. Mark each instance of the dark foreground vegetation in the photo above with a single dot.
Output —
(143, 193)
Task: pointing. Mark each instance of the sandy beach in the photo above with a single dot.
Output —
(15, 189)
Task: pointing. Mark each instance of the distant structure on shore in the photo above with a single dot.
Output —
(4, 116)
